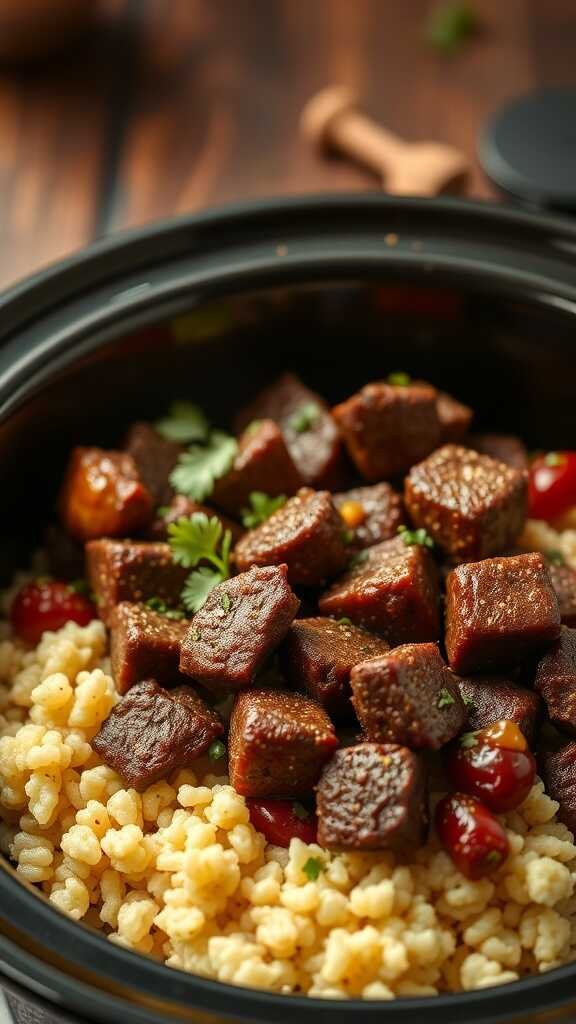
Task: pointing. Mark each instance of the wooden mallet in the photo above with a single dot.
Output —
(332, 120)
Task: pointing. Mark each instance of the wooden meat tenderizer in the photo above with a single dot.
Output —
(331, 120)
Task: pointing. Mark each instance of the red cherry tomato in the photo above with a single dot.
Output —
(48, 604)
(282, 820)
(500, 778)
(552, 485)
(473, 837)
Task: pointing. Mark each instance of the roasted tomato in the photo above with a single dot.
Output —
(48, 604)
(493, 764)
(282, 820)
(473, 837)
(552, 490)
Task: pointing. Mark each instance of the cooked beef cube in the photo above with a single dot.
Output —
(181, 506)
(373, 513)
(558, 771)
(64, 554)
(103, 495)
(470, 504)
(144, 644)
(152, 731)
(239, 626)
(498, 612)
(393, 591)
(387, 428)
(455, 418)
(306, 534)
(278, 743)
(408, 696)
(125, 570)
(564, 582)
(555, 680)
(503, 447)
(263, 463)
(307, 426)
(155, 458)
(372, 797)
(319, 655)
(493, 698)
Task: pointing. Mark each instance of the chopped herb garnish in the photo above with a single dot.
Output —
(300, 811)
(556, 557)
(304, 417)
(261, 508)
(451, 25)
(200, 466)
(216, 750)
(468, 740)
(445, 699)
(226, 602)
(554, 459)
(359, 559)
(162, 511)
(80, 587)
(196, 634)
(344, 621)
(195, 539)
(419, 536)
(348, 536)
(184, 423)
(467, 701)
(493, 857)
(312, 868)
(399, 380)
(156, 604)
(253, 426)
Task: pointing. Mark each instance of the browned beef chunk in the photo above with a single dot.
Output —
(103, 495)
(182, 506)
(155, 458)
(503, 447)
(64, 554)
(558, 771)
(307, 534)
(144, 644)
(556, 681)
(372, 797)
(498, 612)
(278, 743)
(152, 731)
(493, 698)
(373, 513)
(408, 696)
(319, 655)
(239, 626)
(393, 591)
(564, 582)
(263, 463)
(470, 504)
(455, 418)
(387, 428)
(307, 426)
(125, 570)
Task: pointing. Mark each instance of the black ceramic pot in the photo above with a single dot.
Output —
(343, 289)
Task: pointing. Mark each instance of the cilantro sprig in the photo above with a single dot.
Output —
(412, 537)
(195, 539)
(184, 423)
(201, 465)
(261, 508)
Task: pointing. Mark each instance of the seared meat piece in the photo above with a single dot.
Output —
(307, 534)
(372, 797)
(103, 495)
(408, 696)
(455, 418)
(558, 771)
(564, 582)
(263, 463)
(278, 743)
(307, 426)
(387, 428)
(556, 681)
(144, 644)
(373, 513)
(155, 458)
(470, 504)
(182, 506)
(393, 592)
(319, 655)
(152, 731)
(126, 570)
(498, 612)
(64, 554)
(493, 698)
(503, 447)
(239, 626)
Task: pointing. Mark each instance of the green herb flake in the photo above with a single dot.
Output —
(184, 423)
(225, 601)
(554, 459)
(493, 857)
(467, 701)
(216, 750)
(253, 427)
(555, 557)
(262, 506)
(176, 614)
(468, 740)
(80, 587)
(344, 621)
(312, 868)
(200, 466)
(156, 604)
(451, 25)
(399, 380)
(162, 511)
(196, 634)
(349, 536)
(445, 699)
(419, 536)
(299, 811)
(304, 418)
(359, 559)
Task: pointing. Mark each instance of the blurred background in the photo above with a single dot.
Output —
(114, 113)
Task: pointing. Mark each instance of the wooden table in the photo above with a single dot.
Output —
(175, 105)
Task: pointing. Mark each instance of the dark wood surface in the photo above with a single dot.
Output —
(174, 105)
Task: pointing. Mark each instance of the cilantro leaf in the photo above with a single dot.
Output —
(184, 423)
(198, 586)
(312, 868)
(451, 24)
(304, 417)
(200, 466)
(412, 537)
(261, 508)
(445, 699)
(193, 538)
